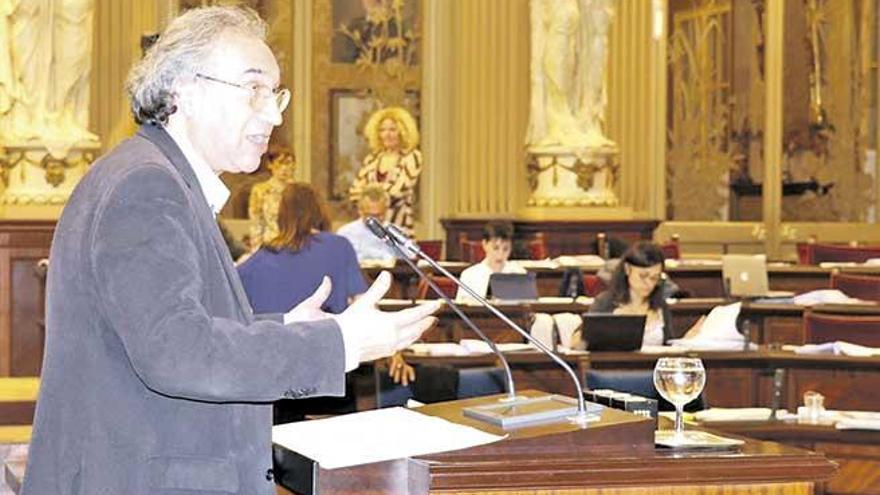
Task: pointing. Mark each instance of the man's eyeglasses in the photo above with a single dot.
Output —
(259, 93)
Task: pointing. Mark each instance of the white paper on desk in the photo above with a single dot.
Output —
(475, 346)
(375, 436)
(438, 349)
(580, 260)
(857, 420)
(378, 263)
(734, 414)
(718, 331)
(838, 348)
(824, 296)
(659, 349)
(526, 264)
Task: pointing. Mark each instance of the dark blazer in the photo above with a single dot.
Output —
(157, 378)
(604, 303)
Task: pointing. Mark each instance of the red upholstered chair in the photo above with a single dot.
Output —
(672, 248)
(815, 253)
(860, 286)
(432, 247)
(471, 251)
(537, 247)
(445, 284)
(593, 285)
(827, 327)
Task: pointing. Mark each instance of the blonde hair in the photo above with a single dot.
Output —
(406, 126)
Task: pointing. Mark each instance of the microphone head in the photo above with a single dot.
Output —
(376, 228)
(395, 232)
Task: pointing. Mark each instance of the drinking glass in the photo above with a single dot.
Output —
(679, 380)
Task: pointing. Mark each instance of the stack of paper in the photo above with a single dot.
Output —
(825, 296)
(718, 331)
(580, 260)
(526, 264)
(720, 414)
(375, 436)
(857, 420)
(838, 348)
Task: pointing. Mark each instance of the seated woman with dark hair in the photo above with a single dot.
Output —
(637, 289)
(287, 269)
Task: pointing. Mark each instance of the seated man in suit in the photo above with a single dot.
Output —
(373, 203)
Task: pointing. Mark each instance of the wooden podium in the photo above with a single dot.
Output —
(616, 452)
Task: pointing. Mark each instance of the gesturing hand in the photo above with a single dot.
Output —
(310, 308)
(377, 333)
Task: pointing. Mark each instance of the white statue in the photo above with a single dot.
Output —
(568, 66)
(45, 66)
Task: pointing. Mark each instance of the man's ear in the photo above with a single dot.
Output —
(187, 94)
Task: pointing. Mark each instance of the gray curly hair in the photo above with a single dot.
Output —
(179, 52)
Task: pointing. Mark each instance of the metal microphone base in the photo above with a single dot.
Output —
(530, 411)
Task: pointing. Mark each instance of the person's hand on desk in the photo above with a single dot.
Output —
(400, 371)
(368, 333)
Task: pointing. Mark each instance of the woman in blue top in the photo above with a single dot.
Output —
(286, 270)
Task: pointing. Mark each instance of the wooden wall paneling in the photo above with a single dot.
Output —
(22, 244)
(843, 389)
(26, 316)
(730, 387)
(783, 330)
(5, 311)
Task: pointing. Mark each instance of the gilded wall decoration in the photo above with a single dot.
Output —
(375, 33)
(699, 156)
(831, 152)
(336, 71)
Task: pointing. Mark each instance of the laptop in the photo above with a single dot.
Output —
(609, 332)
(745, 275)
(514, 286)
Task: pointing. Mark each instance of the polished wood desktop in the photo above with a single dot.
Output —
(857, 452)
(770, 324)
(616, 456)
(695, 279)
(735, 378)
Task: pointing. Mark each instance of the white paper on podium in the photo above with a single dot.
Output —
(374, 436)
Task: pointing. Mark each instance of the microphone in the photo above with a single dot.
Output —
(393, 234)
(382, 233)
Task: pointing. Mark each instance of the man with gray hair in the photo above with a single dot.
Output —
(157, 377)
(373, 203)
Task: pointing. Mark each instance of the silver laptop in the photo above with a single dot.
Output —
(745, 275)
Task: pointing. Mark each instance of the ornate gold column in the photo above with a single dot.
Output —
(772, 187)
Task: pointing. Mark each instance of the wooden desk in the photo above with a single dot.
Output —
(857, 453)
(769, 323)
(613, 457)
(697, 280)
(735, 379)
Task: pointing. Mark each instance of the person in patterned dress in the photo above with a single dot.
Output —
(394, 162)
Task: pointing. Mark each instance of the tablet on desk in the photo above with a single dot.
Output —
(610, 332)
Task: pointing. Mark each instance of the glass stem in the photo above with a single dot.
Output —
(679, 422)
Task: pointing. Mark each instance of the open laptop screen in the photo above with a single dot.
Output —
(514, 286)
(609, 332)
